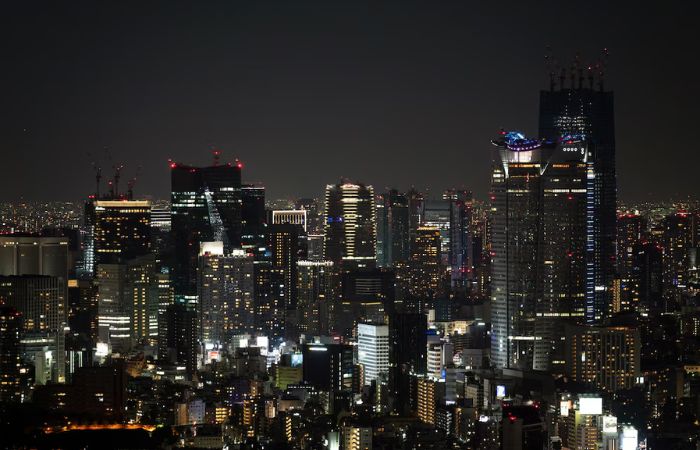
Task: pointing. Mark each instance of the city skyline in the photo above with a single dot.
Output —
(386, 227)
(288, 89)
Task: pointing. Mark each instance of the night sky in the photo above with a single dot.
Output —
(390, 93)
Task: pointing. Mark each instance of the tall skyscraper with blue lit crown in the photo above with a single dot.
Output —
(541, 213)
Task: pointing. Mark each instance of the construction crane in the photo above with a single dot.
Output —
(117, 175)
(216, 154)
(215, 221)
(98, 177)
(131, 183)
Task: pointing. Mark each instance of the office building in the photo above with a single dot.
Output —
(34, 255)
(373, 350)
(317, 295)
(350, 225)
(40, 299)
(285, 252)
(180, 343)
(118, 230)
(290, 216)
(392, 229)
(225, 292)
(367, 295)
(542, 249)
(586, 110)
(328, 367)
(253, 217)
(425, 279)
(206, 205)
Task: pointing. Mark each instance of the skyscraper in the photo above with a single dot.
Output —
(10, 362)
(373, 350)
(609, 358)
(542, 245)
(253, 216)
(317, 292)
(393, 221)
(40, 299)
(225, 292)
(678, 237)
(180, 343)
(407, 355)
(350, 225)
(425, 279)
(283, 243)
(589, 112)
(120, 230)
(34, 255)
(206, 205)
(461, 251)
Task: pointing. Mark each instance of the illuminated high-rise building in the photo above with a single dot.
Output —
(314, 214)
(392, 229)
(225, 292)
(317, 292)
(631, 230)
(119, 230)
(40, 299)
(461, 256)
(113, 310)
(206, 204)
(541, 247)
(608, 358)
(283, 244)
(373, 350)
(587, 110)
(253, 217)
(290, 216)
(437, 213)
(141, 294)
(10, 360)
(350, 225)
(515, 220)
(425, 266)
(677, 240)
(428, 395)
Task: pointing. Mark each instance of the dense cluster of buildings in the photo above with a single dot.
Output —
(544, 318)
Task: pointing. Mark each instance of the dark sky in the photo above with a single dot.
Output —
(390, 93)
